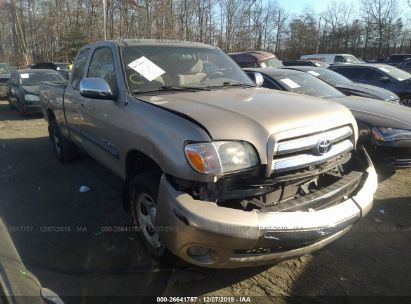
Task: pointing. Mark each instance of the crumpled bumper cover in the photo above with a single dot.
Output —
(237, 238)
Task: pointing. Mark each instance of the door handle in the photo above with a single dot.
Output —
(82, 105)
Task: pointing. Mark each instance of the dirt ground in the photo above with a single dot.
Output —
(64, 236)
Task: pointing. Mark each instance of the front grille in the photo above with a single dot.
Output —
(311, 150)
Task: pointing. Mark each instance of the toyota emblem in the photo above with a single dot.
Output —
(322, 147)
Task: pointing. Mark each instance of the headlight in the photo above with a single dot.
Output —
(31, 98)
(390, 134)
(220, 156)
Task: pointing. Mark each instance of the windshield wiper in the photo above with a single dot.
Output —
(170, 88)
(233, 84)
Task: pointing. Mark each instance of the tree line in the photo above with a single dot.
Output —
(53, 30)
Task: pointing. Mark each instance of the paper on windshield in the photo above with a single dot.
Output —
(313, 73)
(384, 70)
(290, 83)
(146, 68)
(24, 76)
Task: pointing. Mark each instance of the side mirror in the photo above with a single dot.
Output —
(384, 79)
(95, 88)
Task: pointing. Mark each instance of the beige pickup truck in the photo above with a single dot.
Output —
(218, 171)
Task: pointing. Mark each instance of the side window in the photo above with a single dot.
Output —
(268, 83)
(102, 66)
(373, 75)
(339, 59)
(349, 72)
(78, 69)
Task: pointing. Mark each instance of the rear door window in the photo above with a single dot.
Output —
(351, 73)
(372, 75)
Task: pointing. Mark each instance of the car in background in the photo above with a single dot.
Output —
(405, 65)
(332, 58)
(299, 62)
(61, 67)
(347, 86)
(394, 60)
(23, 89)
(5, 72)
(381, 75)
(384, 128)
(256, 59)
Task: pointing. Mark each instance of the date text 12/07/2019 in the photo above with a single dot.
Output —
(205, 299)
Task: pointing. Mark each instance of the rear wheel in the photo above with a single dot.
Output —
(406, 100)
(64, 149)
(143, 190)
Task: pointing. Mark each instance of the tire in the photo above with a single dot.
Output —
(10, 105)
(406, 100)
(21, 109)
(143, 191)
(64, 149)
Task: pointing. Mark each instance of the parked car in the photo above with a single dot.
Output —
(394, 60)
(313, 63)
(215, 172)
(347, 86)
(256, 59)
(385, 128)
(405, 65)
(61, 67)
(5, 72)
(23, 89)
(382, 75)
(332, 58)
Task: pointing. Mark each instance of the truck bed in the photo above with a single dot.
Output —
(52, 96)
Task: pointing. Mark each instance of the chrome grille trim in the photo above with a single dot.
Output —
(309, 142)
(305, 160)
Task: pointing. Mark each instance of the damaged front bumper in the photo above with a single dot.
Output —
(205, 234)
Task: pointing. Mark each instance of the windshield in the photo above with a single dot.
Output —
(4, 69)
(396, 73)
(33, 79)
(351, 59)
(307, 85)
(330, 77)
(271, 63)
(150, 68)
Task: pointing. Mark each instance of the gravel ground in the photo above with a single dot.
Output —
(65, 237)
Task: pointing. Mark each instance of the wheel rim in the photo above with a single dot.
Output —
(56, 141)
(146, 214)
(406, 101)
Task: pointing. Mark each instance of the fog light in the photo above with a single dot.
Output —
(198, 250)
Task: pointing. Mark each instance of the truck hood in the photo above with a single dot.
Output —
(377, 113)
(254, 114)
(370, 90)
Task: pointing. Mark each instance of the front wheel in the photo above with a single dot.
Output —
(143, 190)
(406, 100)
(21, 109)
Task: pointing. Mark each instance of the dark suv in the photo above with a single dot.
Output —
(395, 59)
(381, 75)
